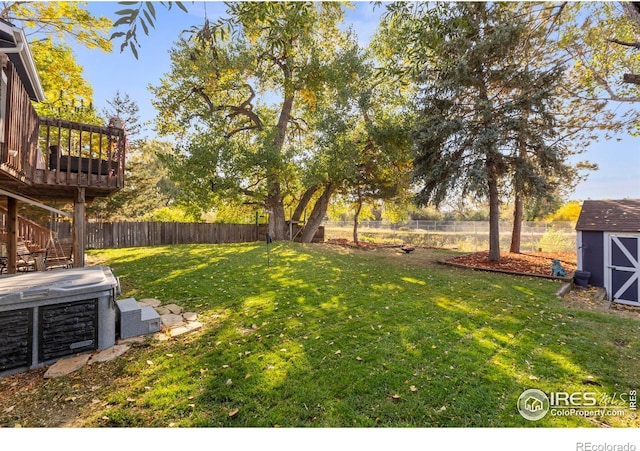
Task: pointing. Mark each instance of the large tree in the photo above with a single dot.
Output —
(239, 96)
(364, 125)
(591, 34)
(484, 124)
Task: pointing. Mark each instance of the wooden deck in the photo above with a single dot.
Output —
(47, 158)
(66, 156)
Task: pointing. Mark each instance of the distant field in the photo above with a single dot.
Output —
(468, 236)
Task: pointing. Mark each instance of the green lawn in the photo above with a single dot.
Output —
(328, 337)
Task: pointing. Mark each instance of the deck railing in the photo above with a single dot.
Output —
(78, 154)
(27, 230)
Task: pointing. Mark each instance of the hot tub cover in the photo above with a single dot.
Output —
(61, 283)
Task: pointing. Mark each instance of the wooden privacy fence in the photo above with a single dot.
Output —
(134, 234)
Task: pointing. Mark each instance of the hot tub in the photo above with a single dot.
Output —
(52, 314)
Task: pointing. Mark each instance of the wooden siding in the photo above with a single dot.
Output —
(20, 126)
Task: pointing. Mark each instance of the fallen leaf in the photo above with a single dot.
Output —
(169, 355)
(413, 388)
(395, 396)
(359, 359)
(229, 382)
(70, 399)
(149, 362)
(234, 412)
(9, 409)
(203, 370)
(193, 406)
(443, 408)
(338, 352)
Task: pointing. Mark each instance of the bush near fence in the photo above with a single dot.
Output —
(468, 236)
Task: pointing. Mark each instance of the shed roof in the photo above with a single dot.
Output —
(610, 216)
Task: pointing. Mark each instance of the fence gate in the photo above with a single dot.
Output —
(624, 269)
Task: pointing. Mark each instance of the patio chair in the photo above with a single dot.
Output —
(28, 260)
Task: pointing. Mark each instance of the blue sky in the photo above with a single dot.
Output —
(618, 159)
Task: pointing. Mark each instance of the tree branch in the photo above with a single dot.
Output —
(635, 45)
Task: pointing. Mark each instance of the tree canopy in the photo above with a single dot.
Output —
(249, 96)
(51, 26)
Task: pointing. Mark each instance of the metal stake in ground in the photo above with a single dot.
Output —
(269, 241)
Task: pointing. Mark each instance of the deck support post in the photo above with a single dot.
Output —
(78, 228)
(12, 235)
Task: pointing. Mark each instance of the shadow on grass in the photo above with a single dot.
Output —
(359, 339)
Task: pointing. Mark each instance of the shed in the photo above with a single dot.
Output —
(608, 247)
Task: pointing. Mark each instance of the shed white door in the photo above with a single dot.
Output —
(624, 269)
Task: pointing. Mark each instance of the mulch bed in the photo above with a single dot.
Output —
(536, 263)
(360, 244)
(532, 263)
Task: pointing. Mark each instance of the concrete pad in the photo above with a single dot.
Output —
(109, 354)
(173, 308)
(150, 302)
(65, 366)
(170, 320)
(190, 316)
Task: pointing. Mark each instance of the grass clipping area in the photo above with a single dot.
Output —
(328, 336)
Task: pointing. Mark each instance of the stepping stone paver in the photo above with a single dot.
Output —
(65, 366)
(190, 316)
(151, 302)
(173, 308)
(170, 320)
(109, 354)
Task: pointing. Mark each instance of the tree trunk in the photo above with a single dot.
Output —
(317, 214)
(277, 225)
(494, 212)
(516, 231)
(356, 217)
(304, 201)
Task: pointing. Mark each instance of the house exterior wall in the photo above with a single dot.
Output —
(592, 256)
